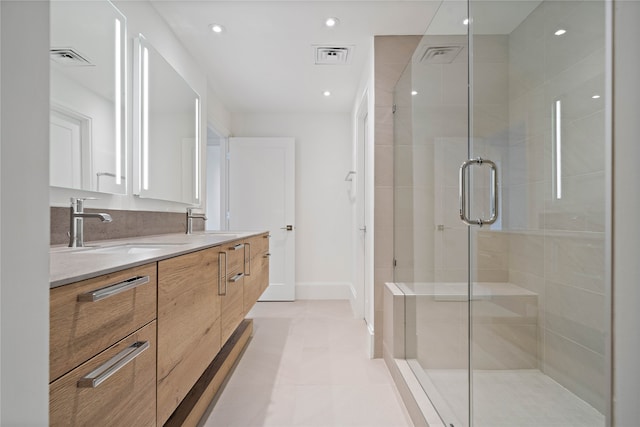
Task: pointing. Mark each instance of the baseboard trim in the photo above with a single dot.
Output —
(371, 342)
(323, 291)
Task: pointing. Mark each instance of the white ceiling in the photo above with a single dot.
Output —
(264, 61)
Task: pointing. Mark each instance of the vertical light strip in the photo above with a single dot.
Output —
(558, 139)
(138, 122)
(145, 118)
(197, 149)
(118, 106)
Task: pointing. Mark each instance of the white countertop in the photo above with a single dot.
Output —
(69, 265)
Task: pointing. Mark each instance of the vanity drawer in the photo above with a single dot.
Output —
(259, 245)
(256, 283)
(126, 398)
(235, 256)
(231, 305)
(80, 328)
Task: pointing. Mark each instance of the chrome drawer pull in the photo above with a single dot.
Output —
(247, 261)
(237, 247)
(99, 375)
(267, 255)
(112, 290)
(220, 275)
(236, 277)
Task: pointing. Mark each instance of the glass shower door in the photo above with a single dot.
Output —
(431, 244)
(538, 328)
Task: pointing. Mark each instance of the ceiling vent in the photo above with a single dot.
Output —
(332, 55)
(69, 57)
(438, 54)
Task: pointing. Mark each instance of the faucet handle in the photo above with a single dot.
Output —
(77, 203)
(83, 198)
(197, 215)
(75, 200)
(191, 209)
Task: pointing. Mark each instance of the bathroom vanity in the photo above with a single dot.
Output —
(143, 331)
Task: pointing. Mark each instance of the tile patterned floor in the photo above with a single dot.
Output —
(306, 366)
(509, 398)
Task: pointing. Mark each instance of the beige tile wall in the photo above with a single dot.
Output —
(391, 55)
(430, 145)
(557, 246)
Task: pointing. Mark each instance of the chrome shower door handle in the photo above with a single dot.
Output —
(462, 194)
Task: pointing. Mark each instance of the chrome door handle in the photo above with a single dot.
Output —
(463, 192)
(247, 261)
(99, 375)
(220, 275)
(288, 228)
(363, 228)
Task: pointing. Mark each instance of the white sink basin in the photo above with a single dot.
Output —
(129, 248)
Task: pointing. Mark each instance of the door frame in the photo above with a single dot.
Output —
(363, 290)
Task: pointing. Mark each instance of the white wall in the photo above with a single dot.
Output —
(213, 210)
(626, 204)
(217, 115)
(323, 210)
(142, 18)
(24, 187)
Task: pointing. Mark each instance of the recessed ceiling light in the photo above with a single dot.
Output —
(595, 96)
(331, 22)
(414, 92)
(216, 28)
(326, 93)
(560, 32)
(466, 21)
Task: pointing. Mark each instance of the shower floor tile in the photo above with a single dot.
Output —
(306, 365)
(523, 398)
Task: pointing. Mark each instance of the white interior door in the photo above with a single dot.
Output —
(262, 197)
(66, 151)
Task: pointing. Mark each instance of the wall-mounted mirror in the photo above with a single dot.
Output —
(88, 96)
(166, 130)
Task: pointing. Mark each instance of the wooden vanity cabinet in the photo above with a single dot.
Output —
(127, 398)
(232, 279)
(188, 324)
(99, 323)
(172, 328)
(256, 278)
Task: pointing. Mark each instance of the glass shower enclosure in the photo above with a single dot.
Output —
(501, 213)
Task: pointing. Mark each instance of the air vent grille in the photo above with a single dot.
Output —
(438, 54)
(332, 55)
(69, 57)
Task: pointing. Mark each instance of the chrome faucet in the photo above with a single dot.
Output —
(76, 225)
(190, 217)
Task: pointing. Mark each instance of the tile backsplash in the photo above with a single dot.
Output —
(125, 224)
